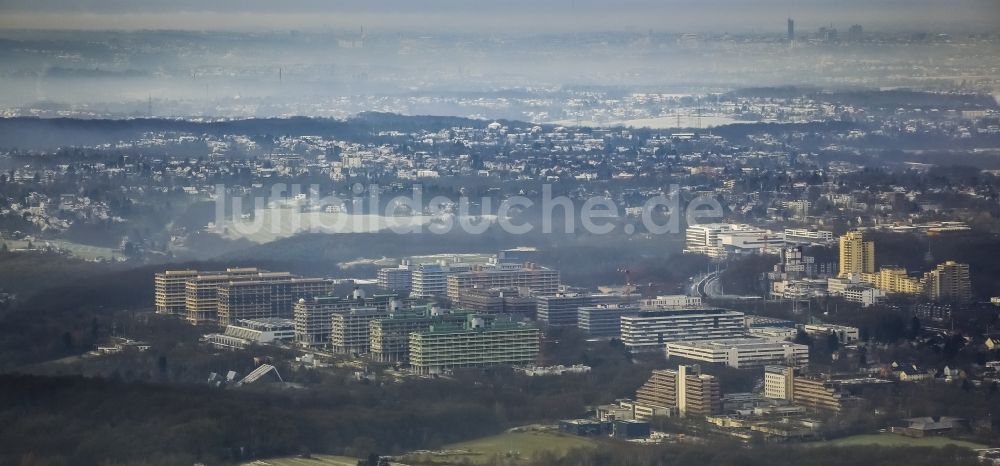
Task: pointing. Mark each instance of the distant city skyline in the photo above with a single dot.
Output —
(521, 16)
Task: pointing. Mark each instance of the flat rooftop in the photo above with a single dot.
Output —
(733, 342)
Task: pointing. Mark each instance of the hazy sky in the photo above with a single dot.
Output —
(501, 15)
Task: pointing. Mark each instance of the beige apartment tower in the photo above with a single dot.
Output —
(894, 280)
(685, 390)
(949, 282)
(857, 256)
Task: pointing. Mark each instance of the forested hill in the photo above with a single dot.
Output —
(40, 134)
(29, 133)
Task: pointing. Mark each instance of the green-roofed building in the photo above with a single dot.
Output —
(390, 336)
(473, 343)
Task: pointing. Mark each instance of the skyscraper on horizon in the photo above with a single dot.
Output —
(791, 30)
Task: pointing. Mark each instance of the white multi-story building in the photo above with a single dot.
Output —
(851, 289)
(799, 209)
(799, 289)
(474, 344)
(801, 235)
(350, 332)
(704, 239)
(538, 280)
(395, 278)
(837, 286)
(561, 309)
(750, 240)
(312, 319)
(314, 316)
(778, 382)
(603, 320)
(793, 265)
(845, 334)
(670, 302)
(431, 280)
(741, 353)
(651, 330)
(718, 240)
(864, 295)
(775, 334)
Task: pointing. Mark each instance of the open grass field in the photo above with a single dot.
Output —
(81, 251)
(895, 440)
(511, 445)
(316, 460)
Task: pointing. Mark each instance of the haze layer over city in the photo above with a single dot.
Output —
(453, 232)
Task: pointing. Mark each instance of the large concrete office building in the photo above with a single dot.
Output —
(202, 292)
(604, 320)
(817, 393)
(561, 309)
(170, 287)
(750, 240)
(778, 382)
(684, 391)
(169, 295)
(845, 335)
(801, 235)
(496, 301)
(675, 301)
(719, 240)
(518, 255)
(740, 353)
(234, 294)
(313, 319)
(395, 278)
(786, 383)
(390, 336)
(313, 316)
(651, 330)
(539, 280)
(704, 239)
(261, 299)
(431, 280)
(350, 331)
(475, 343)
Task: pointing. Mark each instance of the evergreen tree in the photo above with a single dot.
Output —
(915, 328)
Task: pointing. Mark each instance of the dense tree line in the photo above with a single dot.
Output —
(722, 454)
(52, 133)
(64, 306)
(582, 260)
(72, 420)
(91, 421)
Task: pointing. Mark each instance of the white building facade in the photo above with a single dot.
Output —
(741, 353)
